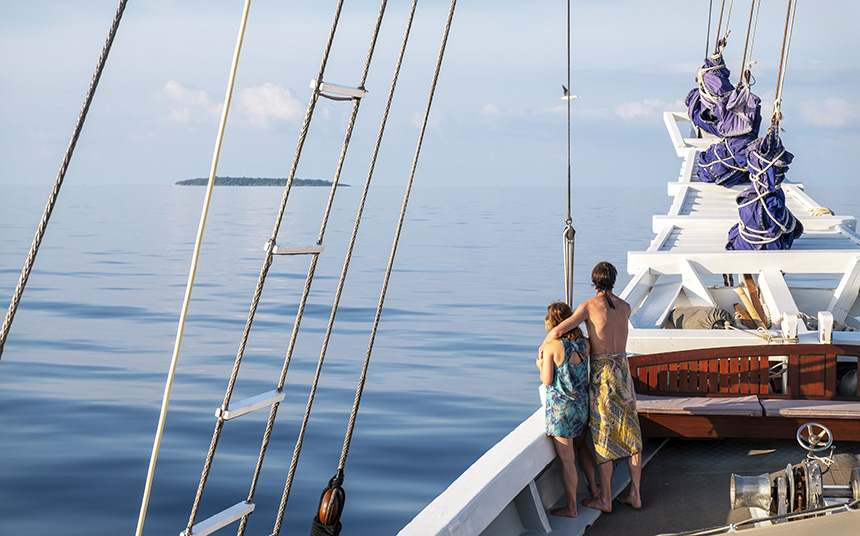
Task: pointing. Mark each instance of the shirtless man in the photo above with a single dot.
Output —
(614, 420)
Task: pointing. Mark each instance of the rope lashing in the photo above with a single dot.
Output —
(58, 182)
(386, 279)
(727, 162)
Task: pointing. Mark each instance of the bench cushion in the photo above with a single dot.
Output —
(810, 409)
(747, 406)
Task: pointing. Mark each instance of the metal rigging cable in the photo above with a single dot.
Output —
(61, 175)
(332, 519)
(568, 235)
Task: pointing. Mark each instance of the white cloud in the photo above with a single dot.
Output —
(832, 112)
(186, 105)
(630, 111)
(261, 105)
(490, 110)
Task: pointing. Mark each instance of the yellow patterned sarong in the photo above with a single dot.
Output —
(614, 420)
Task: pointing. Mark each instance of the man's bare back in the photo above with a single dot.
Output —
(607, 327)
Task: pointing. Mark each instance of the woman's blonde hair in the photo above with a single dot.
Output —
(556, 312)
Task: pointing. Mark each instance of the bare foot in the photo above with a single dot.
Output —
(634, 502)
(566, 512)
(598, 504)
(595, 491)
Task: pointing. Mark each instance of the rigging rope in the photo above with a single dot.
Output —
(708, 36)
(299, 442)
(390, 266)
(361, 210)
(744, 71)
(783, 60)
(193, 270)
(569, 98)
(61, 175)
(270, 245)
(722, 41)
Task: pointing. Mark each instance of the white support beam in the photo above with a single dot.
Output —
(658, 305)
(251, 404)
(660, 240)
(744, 262)
(696, 291)
(810, 223)
(846, 293)
(779, 301)
(334, 89)
(636, 290)
(677, 203)
(220, 520)
(849, 232)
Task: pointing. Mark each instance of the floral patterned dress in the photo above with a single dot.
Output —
(567, 396)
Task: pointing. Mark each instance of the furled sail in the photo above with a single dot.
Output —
(713, 87)
(765, 221)
(725, 162)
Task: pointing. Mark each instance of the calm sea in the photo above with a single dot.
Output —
(452, 368)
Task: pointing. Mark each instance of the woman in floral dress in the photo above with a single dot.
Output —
(563, 365)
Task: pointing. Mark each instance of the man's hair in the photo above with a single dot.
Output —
(603, 276)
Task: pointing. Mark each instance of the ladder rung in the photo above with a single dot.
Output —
(222, 519)
(314, 249)
(251, 404)
(339, 90)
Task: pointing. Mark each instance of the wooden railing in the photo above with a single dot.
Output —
(689, 393)
(809, 370)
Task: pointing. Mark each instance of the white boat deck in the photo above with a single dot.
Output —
(686, 260)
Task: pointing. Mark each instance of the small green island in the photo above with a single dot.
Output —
(249, 181)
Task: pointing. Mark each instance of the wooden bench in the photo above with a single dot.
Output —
(729, 392)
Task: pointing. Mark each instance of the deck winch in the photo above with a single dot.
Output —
(799, 487)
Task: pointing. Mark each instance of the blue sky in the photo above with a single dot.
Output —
(497, 116)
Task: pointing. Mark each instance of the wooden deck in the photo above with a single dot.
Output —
(765, 391)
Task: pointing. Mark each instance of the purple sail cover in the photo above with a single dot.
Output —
(719, 108)
(739, 113)
(768, 162)
(703, 100)
(725, 163)
(765, 221)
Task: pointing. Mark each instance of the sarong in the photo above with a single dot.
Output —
(614, 420)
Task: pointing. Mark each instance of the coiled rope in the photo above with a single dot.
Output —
(61, 175)
(192, 271)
